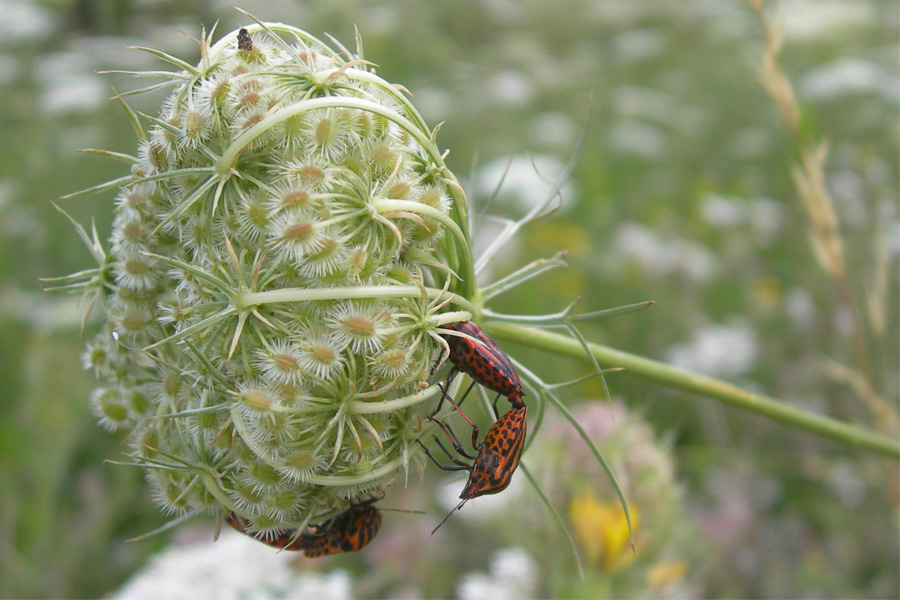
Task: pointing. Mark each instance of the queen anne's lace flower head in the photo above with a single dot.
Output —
(288, 234)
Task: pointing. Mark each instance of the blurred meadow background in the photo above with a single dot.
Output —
(683, 194)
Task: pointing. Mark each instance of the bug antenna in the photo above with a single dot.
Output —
(455, 508)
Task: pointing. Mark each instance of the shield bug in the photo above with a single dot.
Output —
(349, 531)
(478, 356)
(497, 458)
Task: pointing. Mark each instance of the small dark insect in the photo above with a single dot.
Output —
(482, 360)
(350, 531)
(245, 44)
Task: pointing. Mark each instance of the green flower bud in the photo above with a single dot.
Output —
(279, 257)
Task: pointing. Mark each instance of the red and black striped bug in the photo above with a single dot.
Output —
(349, 531)
(498, 456)
(479, 357)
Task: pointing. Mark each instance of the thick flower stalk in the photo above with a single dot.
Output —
(285, 246)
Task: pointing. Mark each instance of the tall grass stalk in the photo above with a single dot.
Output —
(826, 239)
(827, 242)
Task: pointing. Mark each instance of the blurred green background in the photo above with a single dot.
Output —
(682, 194)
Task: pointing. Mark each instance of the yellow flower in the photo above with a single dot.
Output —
(602, 530)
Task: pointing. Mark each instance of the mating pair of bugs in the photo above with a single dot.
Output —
(472, 352)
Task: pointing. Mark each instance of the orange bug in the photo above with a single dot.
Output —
(349, 531)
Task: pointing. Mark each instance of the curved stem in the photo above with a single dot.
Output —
(373, 475)
(344, 293)
(827, 427)
(356, 407)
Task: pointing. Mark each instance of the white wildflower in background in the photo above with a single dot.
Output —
(638, 139)
(763, 216)
(660, 257)
(230, 569)
(814, 20)
(513, 575)
(69, 84)
(512, 88)
(636, 102)
(526, 181)
(639, 45)
(718, 351)
(800, 308)
(750, 143)
(845, 77)
(25, 22)
(553, 129)
(722, 211)
(844, 482)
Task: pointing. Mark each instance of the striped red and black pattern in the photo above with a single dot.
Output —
(483, 360)
(350, 531)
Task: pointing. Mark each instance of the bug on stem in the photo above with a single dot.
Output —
(478, 356)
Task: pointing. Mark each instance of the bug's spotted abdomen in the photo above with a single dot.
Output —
(350, 531)
(499, 455)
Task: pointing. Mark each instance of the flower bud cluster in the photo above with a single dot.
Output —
(275, 270)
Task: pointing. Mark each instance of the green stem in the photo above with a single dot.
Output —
(249, 299)
(827, 427)
(356, 407)
(373, 475)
